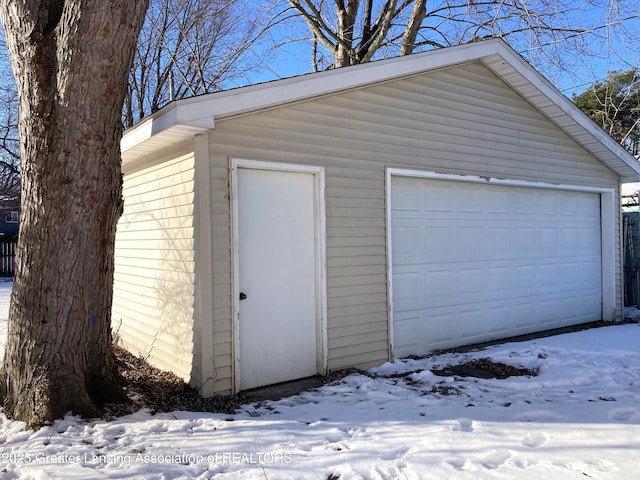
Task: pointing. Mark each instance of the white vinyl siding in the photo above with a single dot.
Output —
(153, 305)
(460, 120)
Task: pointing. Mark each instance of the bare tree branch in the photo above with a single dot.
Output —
(187, 48)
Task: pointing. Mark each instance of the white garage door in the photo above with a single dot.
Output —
(473, 262)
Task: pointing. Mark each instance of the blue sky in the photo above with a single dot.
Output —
(610, 42)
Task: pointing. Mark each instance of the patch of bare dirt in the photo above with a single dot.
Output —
(480, 368)
(485, 368)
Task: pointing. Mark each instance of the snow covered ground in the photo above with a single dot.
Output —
(579, 418)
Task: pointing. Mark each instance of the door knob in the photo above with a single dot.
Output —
(243, 295)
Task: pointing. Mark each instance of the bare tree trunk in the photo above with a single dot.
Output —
(343, 54)
(418, 14)
(70, 60)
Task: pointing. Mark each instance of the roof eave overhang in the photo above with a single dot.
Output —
(539, 92)
(160, 131)
(184, 119)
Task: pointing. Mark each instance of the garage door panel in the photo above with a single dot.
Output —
(449, 283)
(546, 311)
(548, 202)
(548, 239)
(411, 329)
(438, 200)
(525, 238)
(499, 279)
(437, 243)
(522, 315)
(408, 286)
(408, 244)
(503, 321)
(588, 206)
(471, 284)
(501, 240)
(591, 305)
(570, 238)
(487, 261)
(467, 323)
(441, 288)
(588, 236)
(451, 326)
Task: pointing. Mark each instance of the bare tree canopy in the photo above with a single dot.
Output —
(70, 60)
(187, 48)
(9, 148)
(557, 32)
(9, 142)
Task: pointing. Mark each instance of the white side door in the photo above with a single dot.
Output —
(278, 276)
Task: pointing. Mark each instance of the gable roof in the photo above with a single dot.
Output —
(186, 118)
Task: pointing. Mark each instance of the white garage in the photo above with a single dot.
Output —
(343, 218)
(473, 261)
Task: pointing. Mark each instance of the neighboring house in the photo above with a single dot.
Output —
(9, 222)
(352, 216)
(9, 219)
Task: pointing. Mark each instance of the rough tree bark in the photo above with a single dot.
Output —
(70, 59)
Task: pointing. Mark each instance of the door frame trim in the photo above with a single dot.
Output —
(320, 260)
(608, 230)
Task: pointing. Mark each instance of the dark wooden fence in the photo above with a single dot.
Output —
(631, 241)
(7, 256)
